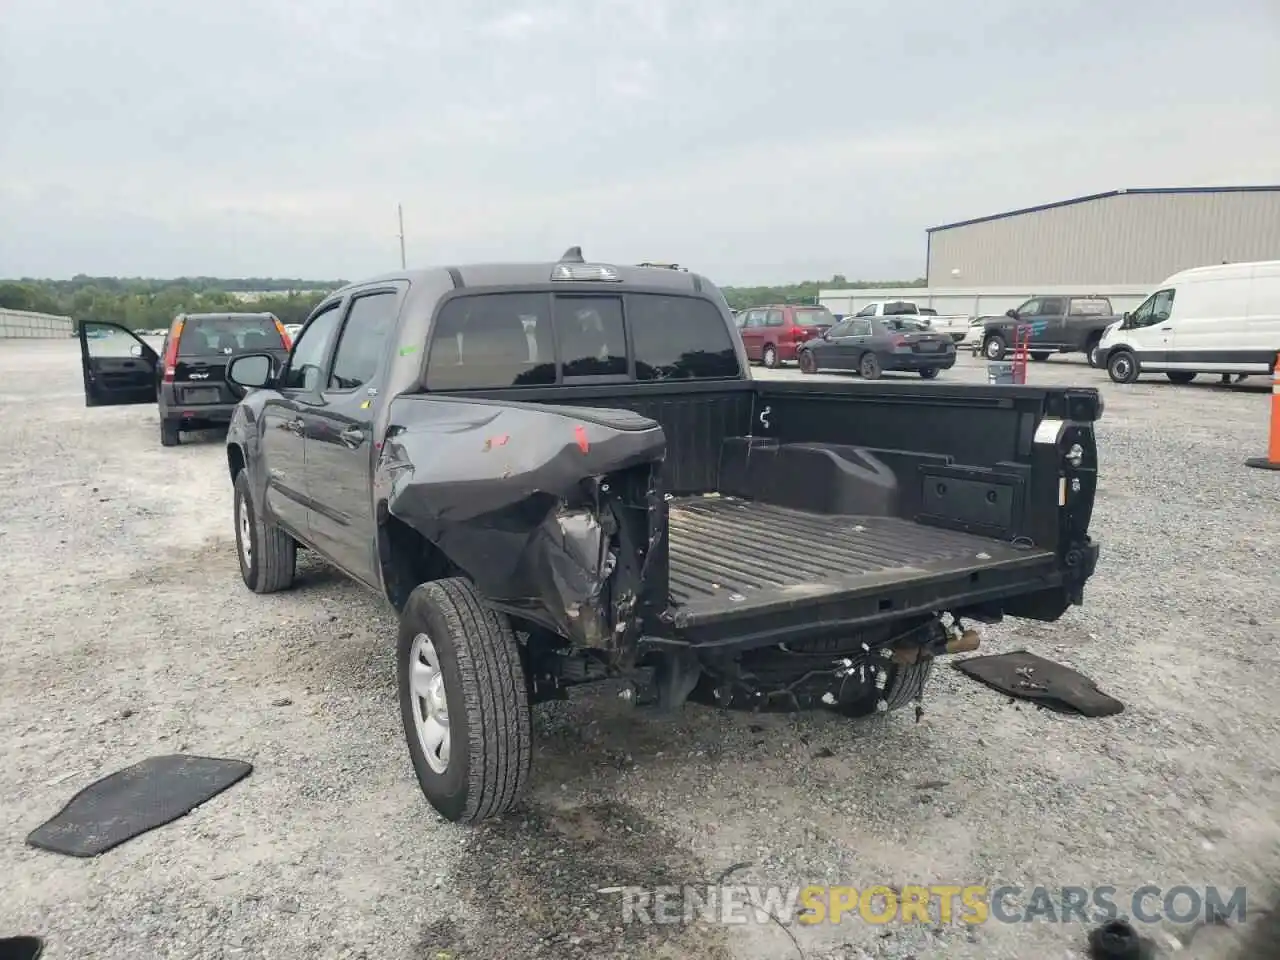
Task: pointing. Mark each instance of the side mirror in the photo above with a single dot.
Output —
(135, 350)
(826, 334)
(1011, 314)
(251, 370)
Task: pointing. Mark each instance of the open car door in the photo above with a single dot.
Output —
(118, 367)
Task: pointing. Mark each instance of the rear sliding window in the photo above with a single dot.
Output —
(1090, 307)
(494, 340)
(814, 318)
(679, 338)
(202, 336)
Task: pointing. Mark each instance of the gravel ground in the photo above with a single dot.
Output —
(128, 633)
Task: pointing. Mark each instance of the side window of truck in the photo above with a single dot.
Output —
(1090, 307)
(306, 363)
(1053, 307)
(591, 336)
(491, 340)
(363, 340)
(679, 338)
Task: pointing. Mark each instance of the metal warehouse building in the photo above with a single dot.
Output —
(1121, 238)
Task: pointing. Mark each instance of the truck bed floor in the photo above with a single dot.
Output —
(733, 555)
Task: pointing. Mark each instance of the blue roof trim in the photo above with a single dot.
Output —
(1102, 196)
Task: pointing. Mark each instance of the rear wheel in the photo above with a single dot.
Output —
(929, 373)
(904, 684)
(169, 436)
(268, 555)
(807, 363)
(1040, 356)
(1180, 376)
(463, 702)
(770, 356)
(869, 367)
(994, 346)
(1122, 367)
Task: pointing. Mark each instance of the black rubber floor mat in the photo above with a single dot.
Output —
(132, 801)
(21, 948)
(1053, 686)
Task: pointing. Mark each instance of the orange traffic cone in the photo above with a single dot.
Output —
(1272, 460)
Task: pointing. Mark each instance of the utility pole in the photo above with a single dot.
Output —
(400, 216)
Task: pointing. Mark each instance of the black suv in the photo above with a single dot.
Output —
(189, 381)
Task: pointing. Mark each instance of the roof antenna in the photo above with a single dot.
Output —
(572, 255)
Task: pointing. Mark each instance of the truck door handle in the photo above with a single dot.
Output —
(352, 437)
(1166, 328)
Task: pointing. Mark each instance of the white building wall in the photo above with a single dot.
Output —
(21, 324)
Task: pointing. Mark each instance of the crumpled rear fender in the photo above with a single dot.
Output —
(532, 501)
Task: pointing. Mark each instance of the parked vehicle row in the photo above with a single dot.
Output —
(1221, 320)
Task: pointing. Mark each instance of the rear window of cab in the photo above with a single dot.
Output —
(495, 340)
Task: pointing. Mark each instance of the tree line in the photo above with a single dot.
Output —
(146, 304)
(150, 304)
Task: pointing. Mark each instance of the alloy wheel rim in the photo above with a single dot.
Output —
(430, 704)
(246, 544)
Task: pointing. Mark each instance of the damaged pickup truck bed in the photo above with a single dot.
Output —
(561, 473)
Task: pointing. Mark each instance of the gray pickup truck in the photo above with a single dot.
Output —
(1057, 325)
(561, 473)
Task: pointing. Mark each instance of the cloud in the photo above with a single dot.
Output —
(758, 140)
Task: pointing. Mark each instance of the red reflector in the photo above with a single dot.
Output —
(581, 436)
(188, 413)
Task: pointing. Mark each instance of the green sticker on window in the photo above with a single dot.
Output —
(405, 351)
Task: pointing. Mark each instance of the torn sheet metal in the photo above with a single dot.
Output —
(522, 497)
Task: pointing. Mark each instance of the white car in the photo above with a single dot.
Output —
(955, 326)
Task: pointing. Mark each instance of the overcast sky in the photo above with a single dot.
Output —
(754, 140)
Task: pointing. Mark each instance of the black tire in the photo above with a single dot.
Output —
(869, 367)
(268, 565)
(1180, 376)
(1040, 356)
(905, 685)
(169, 435)
(487, 701)
(1090, 346)
(929, 373)
(1122, 366)
(994, 347)
(770, 356)
(807, 362)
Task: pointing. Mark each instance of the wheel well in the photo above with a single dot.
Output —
(408, 559)
(235, 460)
(1093, 338)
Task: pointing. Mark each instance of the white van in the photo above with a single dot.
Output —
(1221, 319)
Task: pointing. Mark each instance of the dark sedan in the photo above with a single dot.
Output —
(871, 346)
